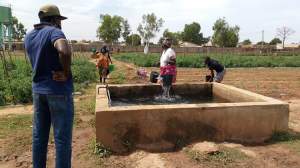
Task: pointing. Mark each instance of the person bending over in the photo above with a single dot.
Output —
(214, 65)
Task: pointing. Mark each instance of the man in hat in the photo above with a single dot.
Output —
(167, 67)
(52, 87)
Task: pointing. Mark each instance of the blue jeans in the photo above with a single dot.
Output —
(57, 110)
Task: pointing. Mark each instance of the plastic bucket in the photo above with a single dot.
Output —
(153, 77)
(111, 67)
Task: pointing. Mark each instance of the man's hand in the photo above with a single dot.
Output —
(59, 76)
(65, 55)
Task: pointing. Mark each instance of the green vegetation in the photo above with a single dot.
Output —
(191, 33)
(223, 157)
(85, 108)
(150, 25)
(19, 90)
(18, 29)
(247, 42)
(110, 28)
(174, 36)
(117, 76)
(224, 34)
(20, 82)
(84, 72)
(86, 105)
(275, 41)
(17, 130)
(284, 137)
(196, 60)
(98, 153)
(14, 124)
(290, 139)
(99, 149)
(133, 40)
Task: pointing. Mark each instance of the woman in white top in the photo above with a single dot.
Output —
(167, 67)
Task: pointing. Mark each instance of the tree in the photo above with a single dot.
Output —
(125, 29)
(275, 41)
(261, 43)
(175, 36)
(247, 42)
(224, 35)
(133, 40)
(147, 29)
(74, 41)
(284, 33)
(110, 28)
(191, 33)
(85, 41)
(18, 29)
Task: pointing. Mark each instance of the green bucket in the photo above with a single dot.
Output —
(111, 67)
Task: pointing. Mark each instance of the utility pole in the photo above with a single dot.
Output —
(262, 38)
(132, 39)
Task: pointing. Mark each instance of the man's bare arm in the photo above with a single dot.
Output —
(65, 55)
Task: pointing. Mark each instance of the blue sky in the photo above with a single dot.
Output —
(252, 16)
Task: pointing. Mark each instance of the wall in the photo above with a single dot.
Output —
(158, 128)
(193, 90)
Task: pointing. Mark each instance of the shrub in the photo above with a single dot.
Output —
(20, 80)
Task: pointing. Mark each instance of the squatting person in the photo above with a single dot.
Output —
(52, 88)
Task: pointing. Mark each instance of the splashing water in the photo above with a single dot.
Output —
(164, 99)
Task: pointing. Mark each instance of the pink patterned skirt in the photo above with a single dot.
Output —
(169, 70)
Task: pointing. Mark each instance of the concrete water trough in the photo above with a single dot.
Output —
(223, 113)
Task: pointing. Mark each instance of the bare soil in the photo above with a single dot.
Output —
(281, 83)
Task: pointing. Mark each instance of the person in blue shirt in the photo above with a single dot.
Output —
(52, 87)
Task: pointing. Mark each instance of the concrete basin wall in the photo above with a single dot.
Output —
(138, 90)
(164, 127)
(234, 94)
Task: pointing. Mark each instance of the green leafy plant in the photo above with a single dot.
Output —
(17, 86)
(229, 61)
(223, 157)
(99, 149)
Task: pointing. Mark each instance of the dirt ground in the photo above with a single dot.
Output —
(281, 83)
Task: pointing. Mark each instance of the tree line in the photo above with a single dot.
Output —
(282, 34)
(112, 28)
